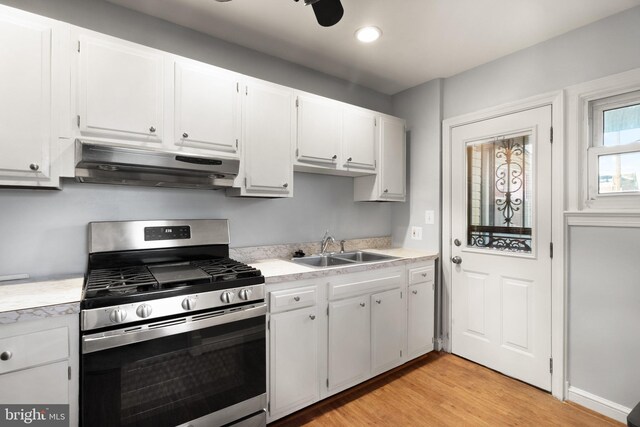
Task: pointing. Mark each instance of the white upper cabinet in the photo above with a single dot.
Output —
(390, 182)
(120, 90)
(32, 63)
(359, 138)
(268, 124)
(319, 131)
(207, 107)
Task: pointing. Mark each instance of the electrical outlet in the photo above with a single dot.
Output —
(429, 217)
(416, 233)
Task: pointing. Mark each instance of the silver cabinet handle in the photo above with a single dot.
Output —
(386, 190)
(362, 304)
(6, 355)
(456, 260)
(414, 292)
(349, 159)
(312, 316)
(296, 298)
(34, 166)
(184, 135)
(379, 301)
(152, 129)
(335, 156)
(285, 185)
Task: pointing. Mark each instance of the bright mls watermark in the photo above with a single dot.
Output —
(34, 415)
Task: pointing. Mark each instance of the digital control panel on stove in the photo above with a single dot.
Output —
(167, 233)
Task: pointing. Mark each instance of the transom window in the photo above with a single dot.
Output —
(614, 153)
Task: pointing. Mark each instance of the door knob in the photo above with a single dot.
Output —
(285, 185)
(34, 167)
(349, 159)
(335, 156)
(152, 129)
(185, 135)
(456, 260)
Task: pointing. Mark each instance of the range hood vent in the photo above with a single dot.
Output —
(98, 162)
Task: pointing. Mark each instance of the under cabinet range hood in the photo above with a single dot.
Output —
(98, 162)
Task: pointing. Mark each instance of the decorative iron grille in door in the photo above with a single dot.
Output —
(499, 194)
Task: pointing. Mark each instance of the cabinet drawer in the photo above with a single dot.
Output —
(421, 274)
(34, 349)
(44, 385)
(292, 298)
(366, 282)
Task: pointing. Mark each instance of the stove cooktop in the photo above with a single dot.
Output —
(119, 285)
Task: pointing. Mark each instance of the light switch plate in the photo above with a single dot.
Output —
(429, 217)
(416, 233)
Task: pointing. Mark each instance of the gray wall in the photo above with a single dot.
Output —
(604, 312)
(44, 232)
(420, 106)
(603, 289)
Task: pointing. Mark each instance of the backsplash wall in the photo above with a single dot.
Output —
(44, 232)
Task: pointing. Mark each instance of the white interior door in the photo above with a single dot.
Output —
(501, 237)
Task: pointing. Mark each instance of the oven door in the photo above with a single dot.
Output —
(207, 369)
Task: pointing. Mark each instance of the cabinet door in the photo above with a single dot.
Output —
(207, 113)
(420, 301)
(25, 97)
(319, 131)
(387, 330)
(293, 370)
(120, 91)
(349, 342)
(393, 161)
(47, 384)
(268, 139)
(359, 139)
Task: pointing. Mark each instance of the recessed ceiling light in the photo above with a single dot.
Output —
(368, 34)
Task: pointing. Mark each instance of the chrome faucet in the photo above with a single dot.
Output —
(325, 242)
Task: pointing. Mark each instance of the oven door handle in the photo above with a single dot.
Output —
(121, 337)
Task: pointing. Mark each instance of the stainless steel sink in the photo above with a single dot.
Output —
(321, 261)
(345, 258)
(360, 256)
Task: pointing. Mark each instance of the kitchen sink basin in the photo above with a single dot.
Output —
(360, 256)
(321, 261)
(346, 258)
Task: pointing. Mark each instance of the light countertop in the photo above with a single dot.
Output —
(24, 300)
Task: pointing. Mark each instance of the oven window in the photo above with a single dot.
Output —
(175, 379)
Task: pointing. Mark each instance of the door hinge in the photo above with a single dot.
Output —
(245, 182)
(78, 45)
(375, 164)
(236, 143)
(269, 407)
(327, 310)
(69, 372)
(269, 324)
(551, 135)
(246, 90)
(551, 365)
(78, 119)
(297, 151)
(551, 250)
(327, 382)
(238, 87)
(297, 102)
(400, 294)
(375, 121)
(400, 353)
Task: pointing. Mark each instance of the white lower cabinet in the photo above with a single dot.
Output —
(293, 365)
(327, 336)
(349, 342)
(39, 363)
(387, 330)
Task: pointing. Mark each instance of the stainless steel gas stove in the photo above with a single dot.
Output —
(173, 330)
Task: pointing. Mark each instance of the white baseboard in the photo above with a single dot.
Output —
(598, 404)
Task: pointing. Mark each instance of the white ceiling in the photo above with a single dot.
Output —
(422, 39)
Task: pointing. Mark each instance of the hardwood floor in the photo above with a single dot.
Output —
(441, 389)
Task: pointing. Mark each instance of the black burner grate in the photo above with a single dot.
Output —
(224, 269)
(120, 280)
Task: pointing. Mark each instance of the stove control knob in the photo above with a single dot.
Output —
(117, 315)
(143, 310)
(245, 294)
(189, 303)
(227, 297)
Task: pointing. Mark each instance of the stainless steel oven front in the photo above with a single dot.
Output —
(207, 369)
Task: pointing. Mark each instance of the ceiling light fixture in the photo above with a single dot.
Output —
(328, 12)
(368, 34)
